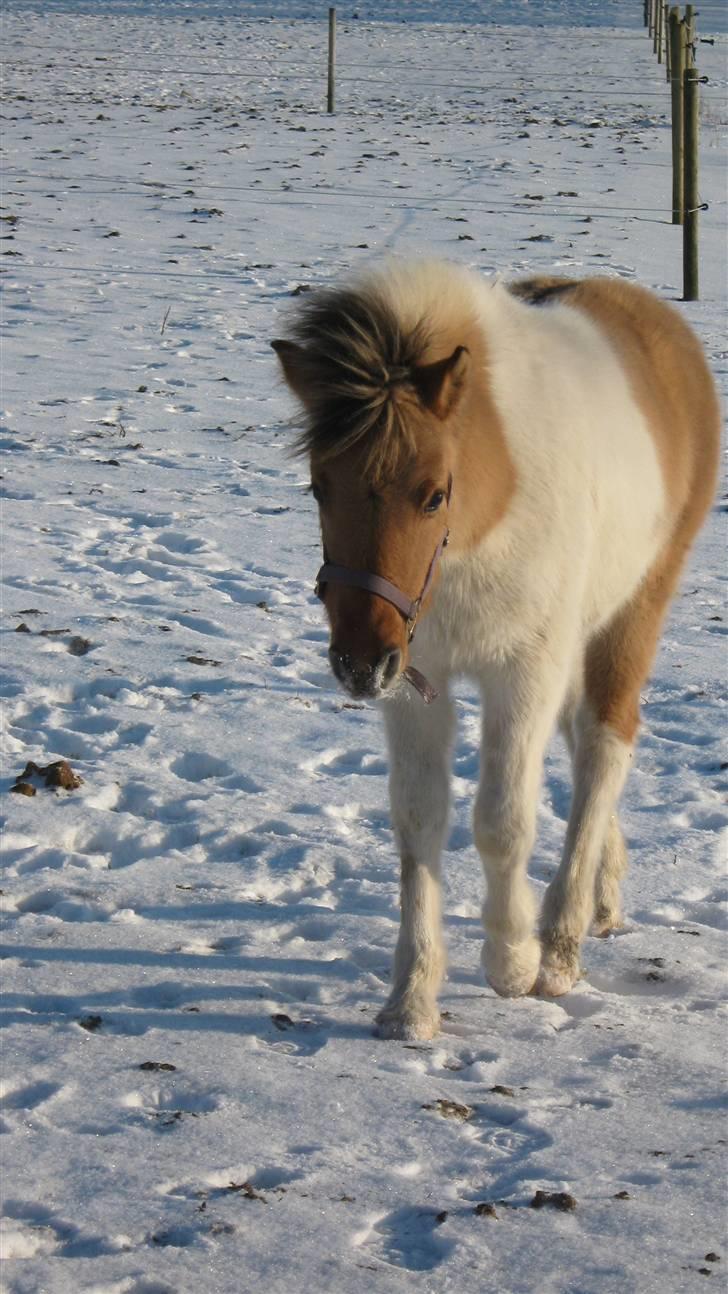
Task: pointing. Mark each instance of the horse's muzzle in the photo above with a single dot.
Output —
(366, 680)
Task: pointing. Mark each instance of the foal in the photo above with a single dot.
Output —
(560, 437)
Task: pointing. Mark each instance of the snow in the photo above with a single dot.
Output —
(197, 938)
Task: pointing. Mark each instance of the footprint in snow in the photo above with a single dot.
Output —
(409, 1238)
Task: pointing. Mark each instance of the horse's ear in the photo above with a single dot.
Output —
(440, 385)
(296, 367)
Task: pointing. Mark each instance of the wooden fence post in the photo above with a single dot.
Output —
(659, 33)
(692, 201)
(677, 69)
(332, 61)
(689, 36)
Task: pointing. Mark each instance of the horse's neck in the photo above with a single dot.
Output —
(485, 480)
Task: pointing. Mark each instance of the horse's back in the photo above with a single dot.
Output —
(667, 373)
(611, 418)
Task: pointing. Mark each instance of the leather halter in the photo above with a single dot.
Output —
(330, 573)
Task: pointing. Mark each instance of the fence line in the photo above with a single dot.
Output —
(399, 197)
(678, 38)
(158, 188)
(483, 85)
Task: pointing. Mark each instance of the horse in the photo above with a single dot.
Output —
(509, 478)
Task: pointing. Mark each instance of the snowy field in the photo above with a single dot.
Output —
(197, 938)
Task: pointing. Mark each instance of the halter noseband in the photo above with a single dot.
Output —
(330, 573)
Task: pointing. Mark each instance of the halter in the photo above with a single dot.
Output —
(330, 573)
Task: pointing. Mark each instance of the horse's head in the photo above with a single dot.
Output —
(383, 459)
(383, 498)
(405, 443)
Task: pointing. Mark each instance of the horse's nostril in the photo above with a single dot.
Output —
(390, 666)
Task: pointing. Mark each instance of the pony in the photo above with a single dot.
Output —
(508, 479)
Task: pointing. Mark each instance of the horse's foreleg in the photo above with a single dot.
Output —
(520, 712)
(594, 857)
(419, 745)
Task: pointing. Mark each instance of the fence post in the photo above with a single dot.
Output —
(332, 60)
(690, 222)
(689, 36)
(659, 34)
(677, 69)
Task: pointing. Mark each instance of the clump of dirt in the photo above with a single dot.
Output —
(451, 1110)
(245, 1189)
(282, 1021)
(157, 1066)
(59, 774)
(80, 646)
(560, 1200)
(91, 1023)
(485, 1210)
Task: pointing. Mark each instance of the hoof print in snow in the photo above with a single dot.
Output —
(56, 775)
(560, 1200)
(451, 1110)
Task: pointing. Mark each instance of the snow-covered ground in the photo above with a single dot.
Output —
(198, 937)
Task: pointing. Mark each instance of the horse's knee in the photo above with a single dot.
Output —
(502, 833)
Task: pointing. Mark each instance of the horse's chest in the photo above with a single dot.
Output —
(481, 613)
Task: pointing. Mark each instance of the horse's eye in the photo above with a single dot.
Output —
(435, 502)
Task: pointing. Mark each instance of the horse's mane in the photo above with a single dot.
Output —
(359, 355)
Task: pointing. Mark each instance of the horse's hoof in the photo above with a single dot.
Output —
(557, 977)
(560, 967)
(512, 971)
(555, 983)
(605, 922)
(408, 1026)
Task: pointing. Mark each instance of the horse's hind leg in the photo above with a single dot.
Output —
(586, 885)
(612, 863)
(608, 882)
(420, 744)
(601, 762)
